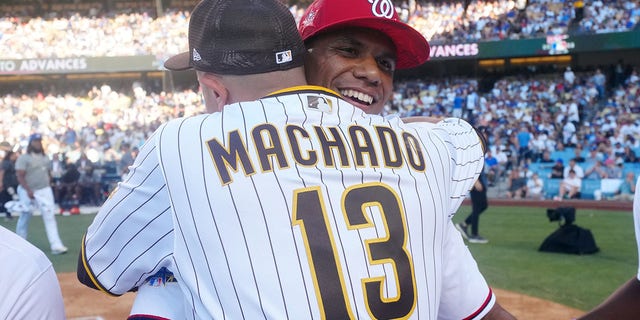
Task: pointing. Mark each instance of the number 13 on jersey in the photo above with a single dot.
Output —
(311, 215)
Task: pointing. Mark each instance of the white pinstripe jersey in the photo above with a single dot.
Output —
(297, 206)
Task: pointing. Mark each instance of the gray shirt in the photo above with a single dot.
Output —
(36, 167)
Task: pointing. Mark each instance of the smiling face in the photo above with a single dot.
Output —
(355, 62)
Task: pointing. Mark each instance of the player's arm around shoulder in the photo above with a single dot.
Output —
(466, 151)
(449, 121)
(132, 234)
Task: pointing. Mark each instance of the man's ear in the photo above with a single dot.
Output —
(215, 90)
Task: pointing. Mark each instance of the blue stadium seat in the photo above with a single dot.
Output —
(551, 187)
(589, 187)
(566, 155)
(635, 167)
(534, 167)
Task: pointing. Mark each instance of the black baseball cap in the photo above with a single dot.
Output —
(240, 37)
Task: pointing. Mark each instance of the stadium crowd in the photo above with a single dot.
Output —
(523, 118)
(126, 33)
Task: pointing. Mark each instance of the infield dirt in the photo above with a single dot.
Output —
(82, 303)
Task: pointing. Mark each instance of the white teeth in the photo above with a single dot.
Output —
(358, 95)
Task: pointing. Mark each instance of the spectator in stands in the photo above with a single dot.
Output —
(8, 178)
(127, 158)
(569, 187)
(573, 165)
(633, 77)
(538, 145)
(596, 171)
(578, 157)
(599, 79)
(492, 168)
(90, 183)
(535, 186)
(57, 168)
(618, 149)
(569, 76)
(516, 184)
(511, 153)
(525, 172)
(612, 170)
(629, 155)
(593, 157)
(524, 138)
(69, 188)
(627, 188)
(438, 21)
(546, 157)
(84, 163)
(557, 171)
(568, 133)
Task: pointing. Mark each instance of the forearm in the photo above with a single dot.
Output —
(622, 304)
(498, 313)
(421, 119)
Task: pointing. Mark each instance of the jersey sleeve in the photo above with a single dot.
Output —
(465, 293)
(467, 157)
(131, 237)
(160, 297)
(466, 154)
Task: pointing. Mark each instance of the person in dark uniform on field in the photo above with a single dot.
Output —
(479, 204)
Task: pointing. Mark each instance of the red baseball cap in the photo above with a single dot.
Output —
(412, 49)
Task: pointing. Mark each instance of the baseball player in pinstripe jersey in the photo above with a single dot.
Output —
(297, 205)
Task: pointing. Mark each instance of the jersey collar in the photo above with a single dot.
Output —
(297, 89)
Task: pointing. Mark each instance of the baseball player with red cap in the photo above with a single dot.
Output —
(365, 262)
(355, 46)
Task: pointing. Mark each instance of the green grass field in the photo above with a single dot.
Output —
(510, 261)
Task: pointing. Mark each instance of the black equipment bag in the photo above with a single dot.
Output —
(570, 238)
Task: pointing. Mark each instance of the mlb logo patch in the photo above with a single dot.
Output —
(284, 57)
(319, 103)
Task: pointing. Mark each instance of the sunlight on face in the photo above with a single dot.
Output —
(358, 63)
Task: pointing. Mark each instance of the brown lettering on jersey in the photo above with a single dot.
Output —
(390, 147)
(226, 158)
(414, 152)
(362, 145)
(293, 134)
(327, 145)
(268, 145)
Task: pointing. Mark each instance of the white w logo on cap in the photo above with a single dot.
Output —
(382, 8)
